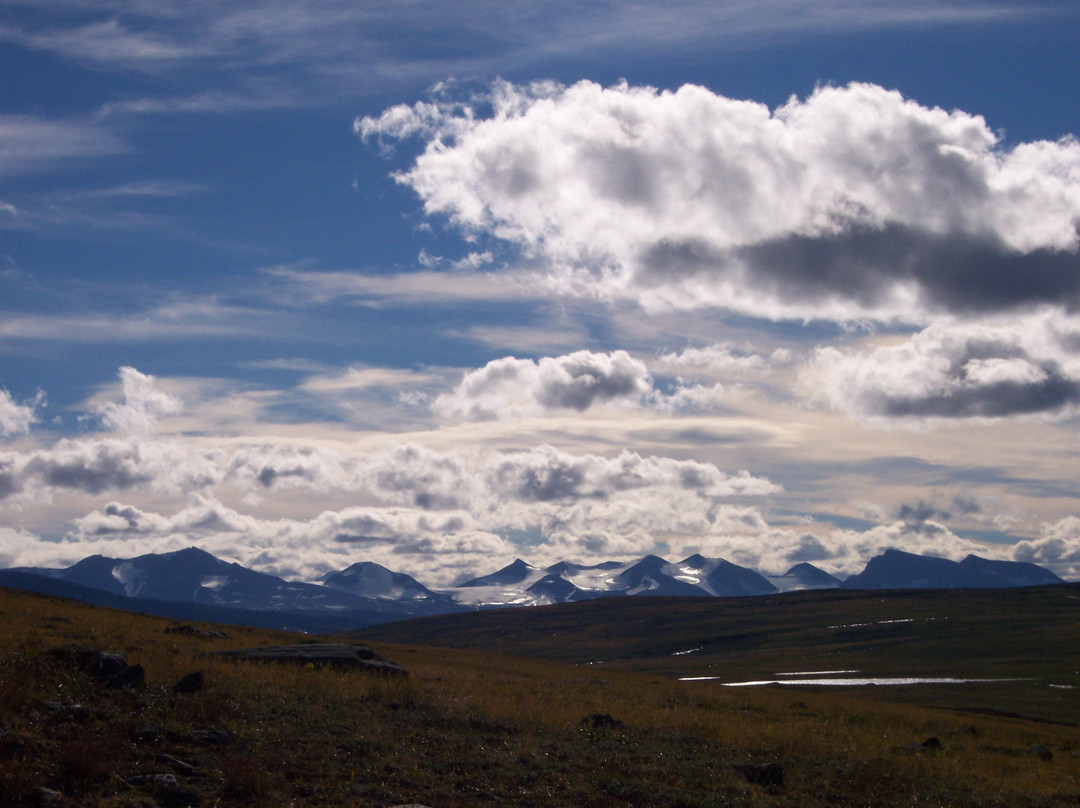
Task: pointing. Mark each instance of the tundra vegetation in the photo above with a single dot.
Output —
(474, 726)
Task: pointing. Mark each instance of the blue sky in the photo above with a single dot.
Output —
(312, 283)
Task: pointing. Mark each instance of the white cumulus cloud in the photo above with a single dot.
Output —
(955, 371)
(1057, 548)
(15, 419)
(514, 388)
(143, 405)
(853, 202)
(519, 388)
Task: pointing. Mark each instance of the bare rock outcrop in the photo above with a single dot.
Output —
(333, 655)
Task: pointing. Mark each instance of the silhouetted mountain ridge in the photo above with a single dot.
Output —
(896, 569)
(185, 581)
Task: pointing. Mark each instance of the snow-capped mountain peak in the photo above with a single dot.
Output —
(369, 580)
(514, 573)
(192, 576)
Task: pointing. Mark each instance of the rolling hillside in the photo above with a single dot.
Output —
(1024, 634)
(475, 727)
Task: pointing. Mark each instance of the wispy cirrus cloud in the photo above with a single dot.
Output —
(183, 317)
(32, 143)
(265, 54)
(302, 286)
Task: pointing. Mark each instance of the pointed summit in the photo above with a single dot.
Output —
(554, 588)
(370, 580)
(731, 580)
(653, 575)
(509, 575)
(697, 562)
(806, 576)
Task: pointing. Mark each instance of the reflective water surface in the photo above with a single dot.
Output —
(847, 681)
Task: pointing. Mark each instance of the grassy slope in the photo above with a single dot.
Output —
(1017, 633)
(472, 727)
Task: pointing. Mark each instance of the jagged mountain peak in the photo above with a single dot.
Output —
(514, 573)
(194, 576)
(696, 561)
(807, 573)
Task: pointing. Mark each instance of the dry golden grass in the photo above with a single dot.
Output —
(470, 728)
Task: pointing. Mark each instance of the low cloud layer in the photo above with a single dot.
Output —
(854, 202)
(431, 512)
(1026, 368)
(444, 513)
(441, 546)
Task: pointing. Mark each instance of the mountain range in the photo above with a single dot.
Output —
(193, 584)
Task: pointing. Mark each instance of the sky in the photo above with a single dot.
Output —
(442, 285)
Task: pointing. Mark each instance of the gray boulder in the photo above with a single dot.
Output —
(333, 655)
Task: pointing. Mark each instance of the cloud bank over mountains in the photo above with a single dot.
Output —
(439, 513)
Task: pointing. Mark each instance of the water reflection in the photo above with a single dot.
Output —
(846, 681)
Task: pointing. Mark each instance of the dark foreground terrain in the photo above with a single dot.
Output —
(1027, 639)
(469, 726)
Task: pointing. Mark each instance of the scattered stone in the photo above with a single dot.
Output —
(71, 653)
(67, 710)
(146, 734)
(194, 631)
(965, 730)
(210, 737)
(12, 745)
(334, 655)
(179, 765)
(601, 721)
(111, 669)
(1041, 752)
(134, 676)
(154, 780)
(103, 665)
(192, 683)
(931, 744)
(770, 775)
(46, 796)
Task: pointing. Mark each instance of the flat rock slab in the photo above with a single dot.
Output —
(334, 655)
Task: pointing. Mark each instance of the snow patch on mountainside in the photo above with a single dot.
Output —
(214, 582)
(130, 577)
